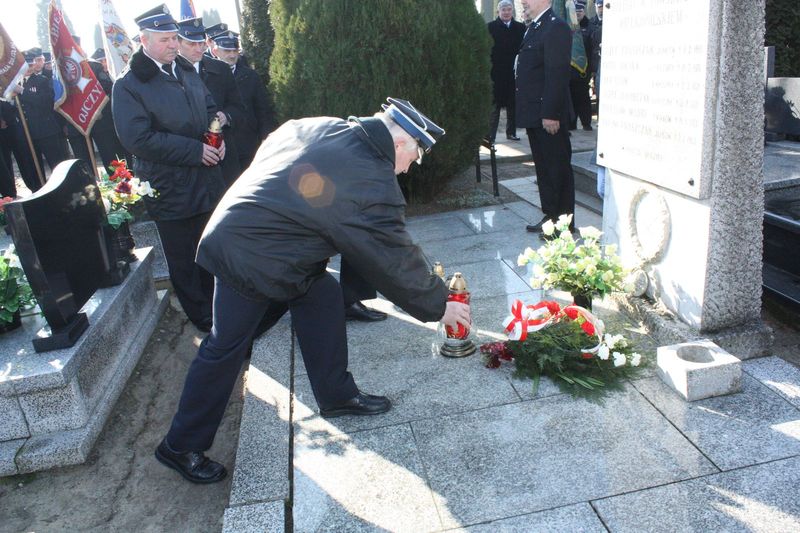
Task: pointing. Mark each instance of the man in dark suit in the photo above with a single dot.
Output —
(542, 79)
(507, 36)
(260, 117)
(161, 111)
(219, 80)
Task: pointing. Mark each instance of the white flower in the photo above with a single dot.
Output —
(548, 228)
(538, 270)
(522, 260)
(530, 253)
(619, 359)
(603, 352)
(608, 276)
(611, 249)
(144, 189)
(536, 283)
(591, 270)
(636, 358)
(614, 340)
(106, 204)
(590, 232)
(11, 254)
(564, 221)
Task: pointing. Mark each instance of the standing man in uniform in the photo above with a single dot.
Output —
(507, 36)
(219, 81)
(103, 132)
(161, 111)
(543, 107)
(37, 103)
(596, 32)
(579, 83)
(260, 122)
(268, 243)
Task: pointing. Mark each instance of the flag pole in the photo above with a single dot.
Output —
(28, 137)
(90, 146)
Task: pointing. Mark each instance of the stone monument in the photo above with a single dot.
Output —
(681, 133)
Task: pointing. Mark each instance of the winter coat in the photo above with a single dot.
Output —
(507, 41)
(259, 121)
(220, 83)
(37, 103)
(318, 187)
(161, 121)
(543, 71)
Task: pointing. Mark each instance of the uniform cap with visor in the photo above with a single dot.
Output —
(157, 19)
(425, 131)
(192, 30)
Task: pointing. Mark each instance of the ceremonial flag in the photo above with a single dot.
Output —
(116, 44)
(187, 10)
(83, 96)
(566, 10)
(12, 64)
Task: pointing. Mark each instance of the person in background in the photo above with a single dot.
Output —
(579, 82)
(506, 37)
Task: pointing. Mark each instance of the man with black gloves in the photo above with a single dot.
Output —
(317, 187)
(161, 111)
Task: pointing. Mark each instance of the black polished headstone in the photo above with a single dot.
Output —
(61, 236)
(782, 106)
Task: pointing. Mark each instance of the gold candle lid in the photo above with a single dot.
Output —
(457, 283)
(438, 269)
(215, 126)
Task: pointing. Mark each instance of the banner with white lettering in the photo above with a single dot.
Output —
(12, 64)
(119, 48)
(83, 95)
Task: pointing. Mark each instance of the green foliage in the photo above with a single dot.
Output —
(257, 35)
(344, 57)
(783, 27)
(15, 293)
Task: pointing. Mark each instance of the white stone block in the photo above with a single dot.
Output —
(699, 369)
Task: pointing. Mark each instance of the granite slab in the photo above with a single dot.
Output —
(580, 517)
(8, 452)
(12, 419)
(778, 375)
(754, 426)
(265, 517)
(458, 251)
(525, 457)
(757, 498)
(491, 220)
(441, 229)
(369, 481)
(262, 454)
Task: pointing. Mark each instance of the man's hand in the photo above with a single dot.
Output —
(223, 118)
(456, 313)
(211, 156)
(222, 151)
(550, 126)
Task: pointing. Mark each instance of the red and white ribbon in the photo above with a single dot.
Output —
(525, 319)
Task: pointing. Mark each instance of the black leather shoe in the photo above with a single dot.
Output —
(193, 466)
(361, 404)
(533, 228)
(588, 128)
(512, 137)
(362, 313)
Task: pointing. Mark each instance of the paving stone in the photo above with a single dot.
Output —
(491, 220)
(489, 278)
(146, 234)
(753, 426)
(459, 251)
(442, 229)
(580, 517)
(520, 458)
(256, 518)
(262, 456)
(778, 375)
(757, 498)
(369, 481)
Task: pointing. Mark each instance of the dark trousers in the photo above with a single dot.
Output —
(354, 287)
(109, 147)
(511, 122)
(13, 142)
(581, 102)
(193, 285)
(318, 319)
(79, 148)
(54, 149)
(552, 156)
(7, 185)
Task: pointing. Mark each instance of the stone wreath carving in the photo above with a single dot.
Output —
(649, 221)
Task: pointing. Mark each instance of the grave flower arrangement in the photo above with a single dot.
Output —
(15, 293)
(577, 267)
(121, 191)
(567, 344)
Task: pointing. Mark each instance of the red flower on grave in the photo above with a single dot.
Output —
(586, 355)
(571, 312)
(552, 306)
(123, 187)
(588, 327)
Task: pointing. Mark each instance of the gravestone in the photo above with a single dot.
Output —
(681, 134)
(61, 236)
(782, 106)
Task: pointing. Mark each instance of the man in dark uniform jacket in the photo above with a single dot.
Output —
(267, 244)
(507, 36)
(260, 122)
(219, 80)
(161, 111)
(596, 32)
(579, 83)
(14, 145)
(543, 69)
(37, 103)
(103, 132)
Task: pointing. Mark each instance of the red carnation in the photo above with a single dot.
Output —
(571, 312)
(588, 327)
(586, 355)
(123, 187)
(553, 307)
(115, 163)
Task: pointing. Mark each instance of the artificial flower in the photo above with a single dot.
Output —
(619, 359)
(636, 359)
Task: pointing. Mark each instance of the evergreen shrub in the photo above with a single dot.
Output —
(344, 57)
(783, 29)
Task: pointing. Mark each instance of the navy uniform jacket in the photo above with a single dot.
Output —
(219, 80)
(259, 122)
(161, 121)
(37, 103)
(543, 70)
(507, 41)
(318, 187)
